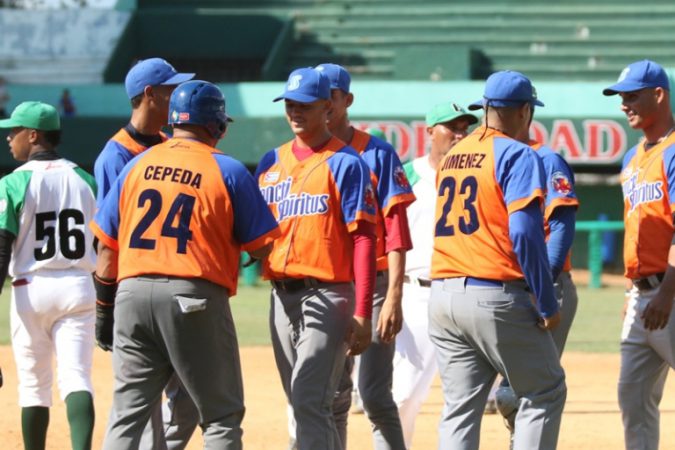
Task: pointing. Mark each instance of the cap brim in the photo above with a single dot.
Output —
(624, 86)
(228, 118)
(178, 79)
(9, 123)
(478, 104)
(297, 97)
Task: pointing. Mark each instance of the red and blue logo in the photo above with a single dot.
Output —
(561, 184)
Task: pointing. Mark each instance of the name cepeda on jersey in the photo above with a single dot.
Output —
(292, 205)
(637, 193)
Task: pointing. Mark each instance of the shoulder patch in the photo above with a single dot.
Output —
(400, 178)
(369, 197)
(561, 183)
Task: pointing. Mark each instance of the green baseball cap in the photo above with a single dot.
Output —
(377, 133)
(445, 112)
(35, 115)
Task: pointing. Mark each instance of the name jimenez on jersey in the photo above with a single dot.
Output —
(638, 193)
(292, 205)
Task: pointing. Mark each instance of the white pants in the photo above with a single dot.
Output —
(415, 359)
(645, 358)
(53, 313)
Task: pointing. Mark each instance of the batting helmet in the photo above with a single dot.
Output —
(200, 103)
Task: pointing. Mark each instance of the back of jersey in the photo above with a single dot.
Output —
(49, 205)
(480, 183)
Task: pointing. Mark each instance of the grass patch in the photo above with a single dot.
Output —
(597, 325)
(596, 328)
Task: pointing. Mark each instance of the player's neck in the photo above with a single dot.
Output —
(343, 131)
(312, 141)
(145, 123)
(434, 159)
(659, 131)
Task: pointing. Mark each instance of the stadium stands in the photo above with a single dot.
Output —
(569, 40)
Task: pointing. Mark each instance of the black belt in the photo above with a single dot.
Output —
(424, 282)
(648, 283)
(295, 284)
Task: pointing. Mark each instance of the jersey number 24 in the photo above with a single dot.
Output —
(182, 206)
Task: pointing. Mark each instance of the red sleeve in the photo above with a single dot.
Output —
(364, 268)
(397, 233)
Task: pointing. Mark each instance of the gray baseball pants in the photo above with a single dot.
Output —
(184, 326)
(374, 378)
(566, 293)
(479, 332)
(645, 359)
(308, 329)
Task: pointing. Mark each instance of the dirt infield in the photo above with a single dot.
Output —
(591, 419)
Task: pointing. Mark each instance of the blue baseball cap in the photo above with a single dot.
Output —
(153, 72)
(507, 88)
(306, 85)
(639, 75)
(338, 76)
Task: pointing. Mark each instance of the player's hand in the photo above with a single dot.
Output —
(359, 335)
(657, 312)
(104, 325)
(390, 321)
(551, 322)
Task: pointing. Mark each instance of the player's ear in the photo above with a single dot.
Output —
(33, 136)
(350, 99)
(148, 91)
(660, 94)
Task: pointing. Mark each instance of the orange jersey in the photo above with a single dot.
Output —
(317, 201)
(648, 184)
(390, 181)
(479, 183)
(560, 188)
(184, 209)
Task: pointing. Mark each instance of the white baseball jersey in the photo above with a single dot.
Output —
(47, 205)
(421, 213)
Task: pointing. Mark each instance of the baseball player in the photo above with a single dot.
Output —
(560, 208)
(171, 231)
(149, 85)
(319, 190)
(393, 194)
(45, 205)
(489, 258)
(648, 182)
(415, 358)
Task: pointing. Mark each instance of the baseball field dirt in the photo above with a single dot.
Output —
(591, 419)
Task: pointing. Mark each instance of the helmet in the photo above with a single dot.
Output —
(200, 103)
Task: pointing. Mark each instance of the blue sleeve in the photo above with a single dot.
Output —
(669, 163)
(560, 178)
(108, 214)
(391, 178)
(252, 216)
(352, 179)
(107, 167)
(526, 230)
(519, 172)
(562, 225)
